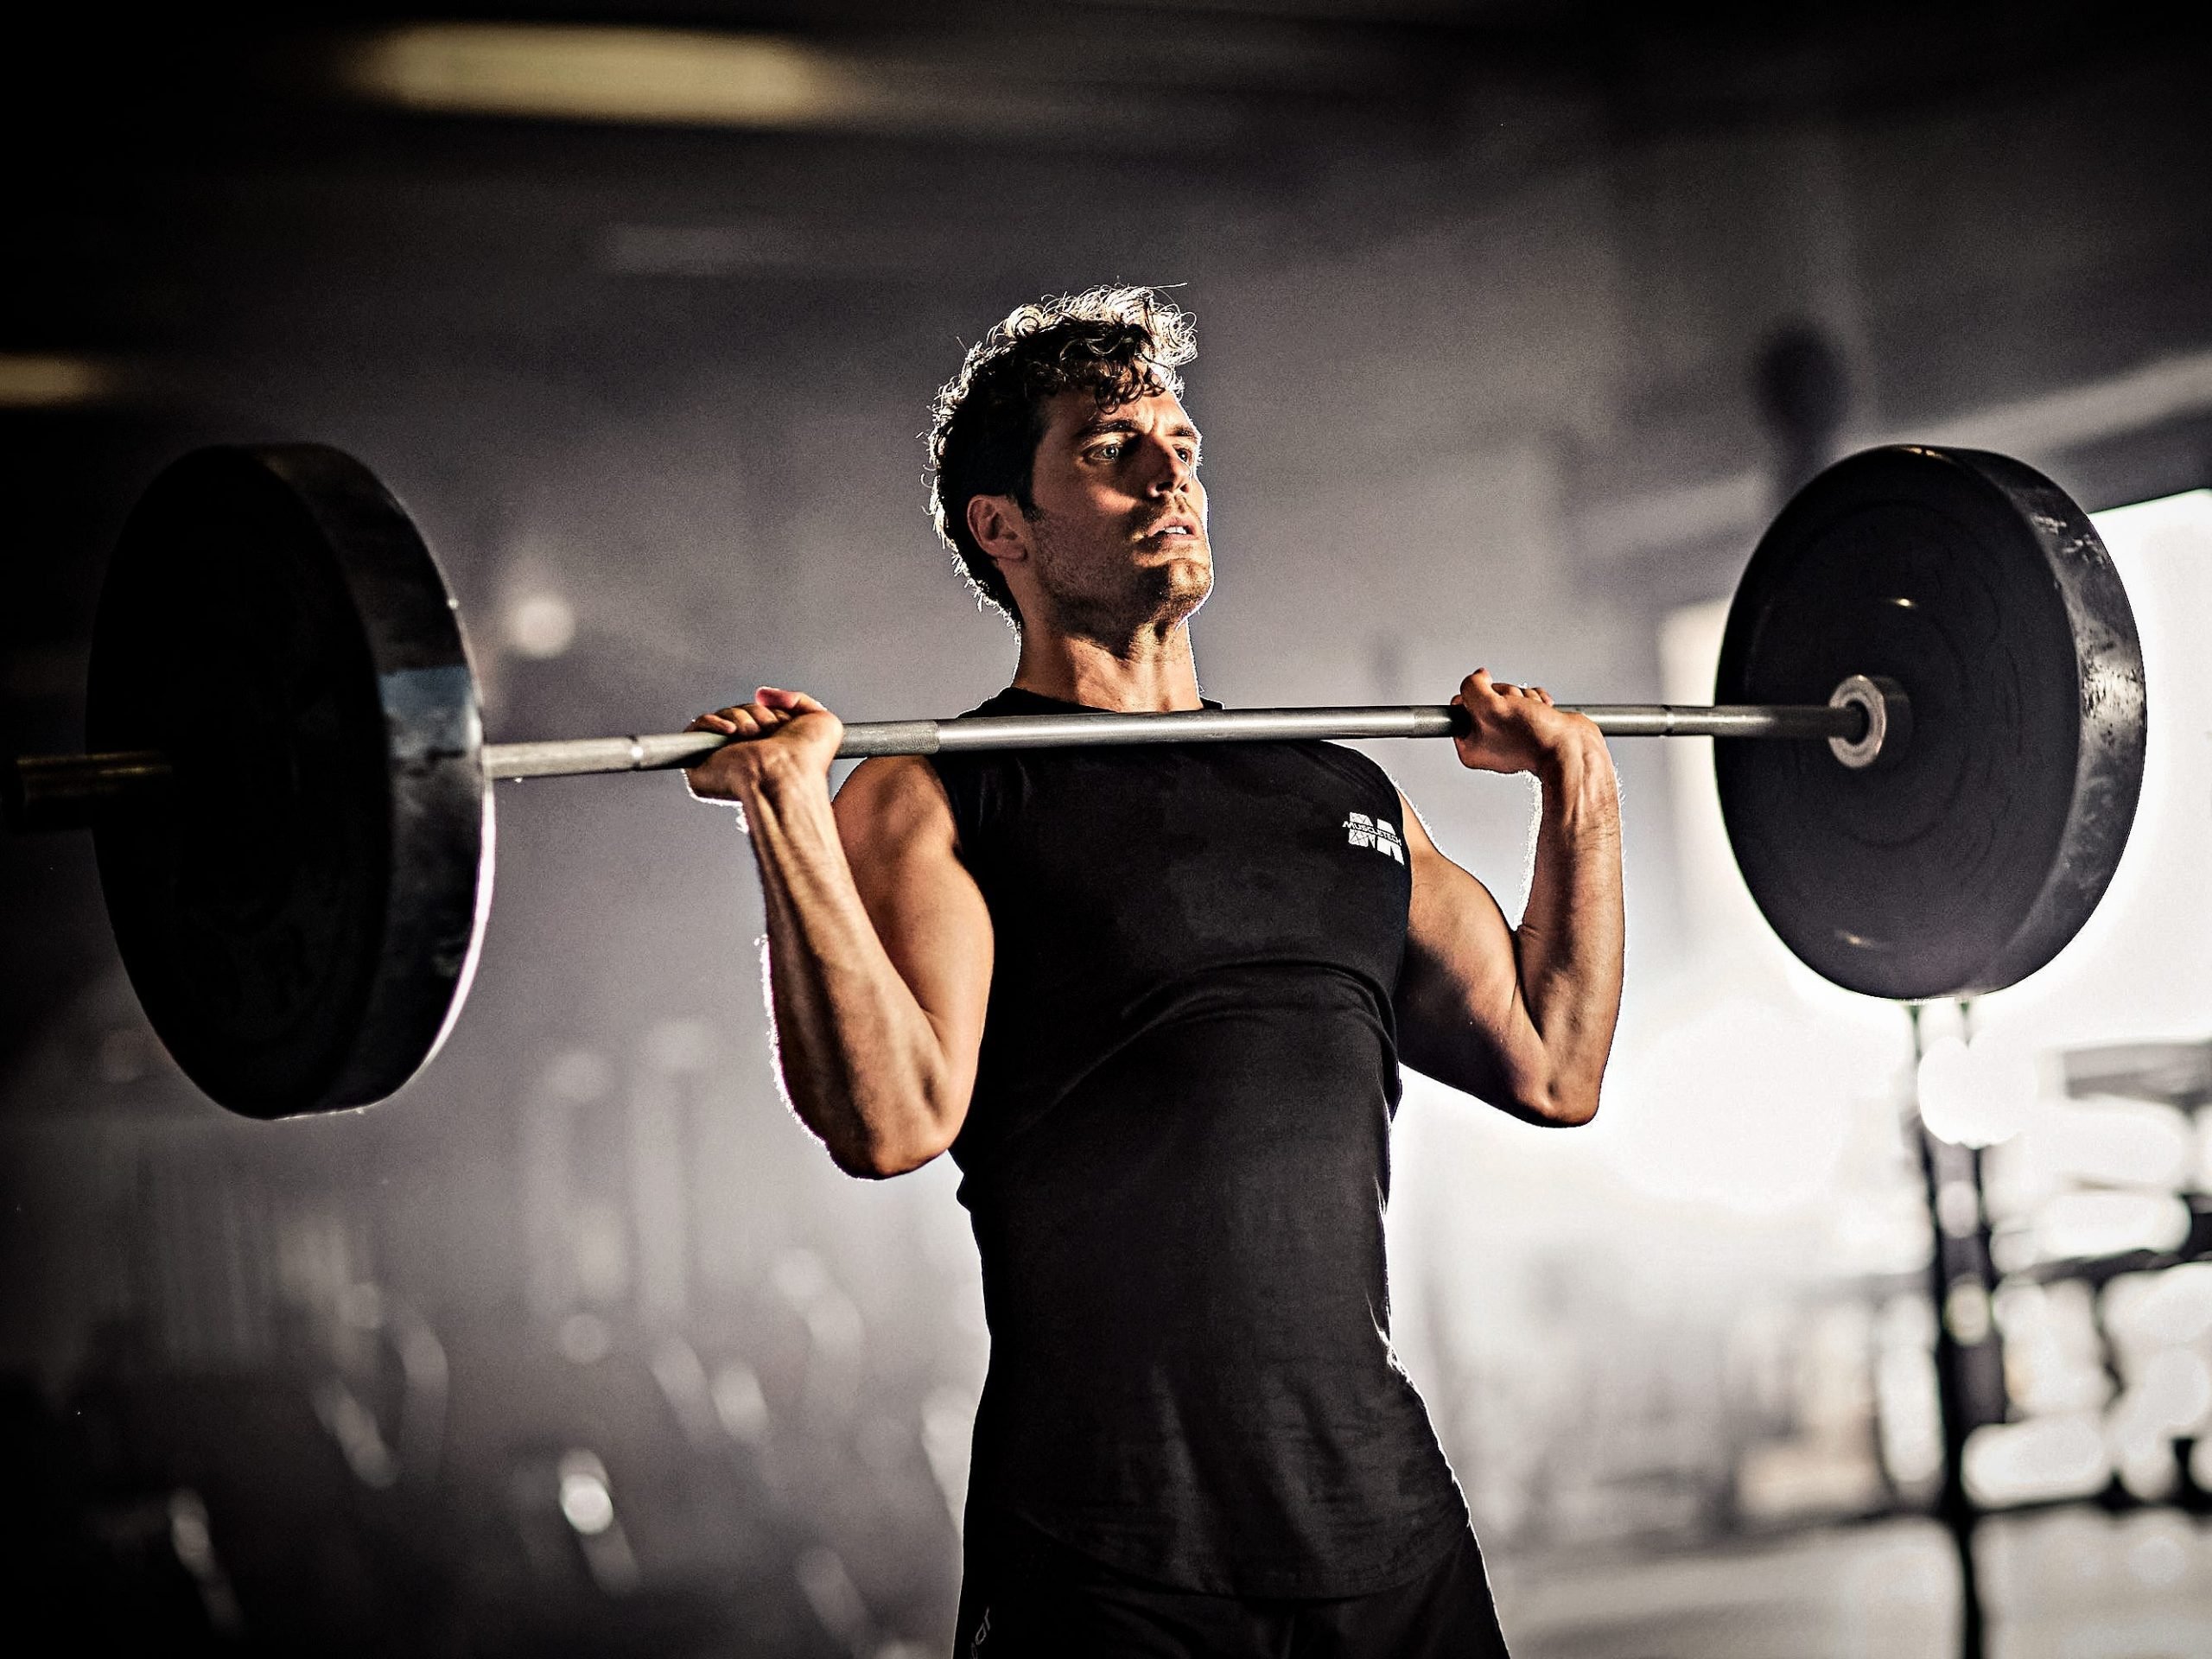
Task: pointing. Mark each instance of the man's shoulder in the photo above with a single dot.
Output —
(1355, 767)
(886, 779)
(895, 796)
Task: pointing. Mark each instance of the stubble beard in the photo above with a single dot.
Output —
(1120, 601)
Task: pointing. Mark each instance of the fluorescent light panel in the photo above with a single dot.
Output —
(649, 76)
(31, 380)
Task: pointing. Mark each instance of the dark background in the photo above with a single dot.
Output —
(1515, 323)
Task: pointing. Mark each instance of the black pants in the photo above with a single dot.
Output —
(1025, 1597)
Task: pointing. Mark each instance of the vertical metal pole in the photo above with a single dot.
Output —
(1959, 1285)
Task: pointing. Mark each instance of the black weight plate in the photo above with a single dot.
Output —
(299, 916)
(1977, 585)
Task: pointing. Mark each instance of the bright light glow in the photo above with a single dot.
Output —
(2173, 1395)
(948, 1437)
(540, 625)
(2170, 1397)
(2054, 1359)
(2114, 1143)
(2133, 973)
(1975, 1094)
(2162, 1558)
(1958, 1209)
(2110, 1223)
(354, 1427)
(1967, 1313)
(2152, 1310)
(585, 1500)
(599, 1250)
(2157, 1322)
(578, 1075)
(1743, 1104)
(189, 1536)
(837, 1600)
(2044, 1458)
(2146, 1468)
(585, 1338)
(666, 77)
(1912, 1431)
(739, 1405)
(33, 381)
(798, 1276)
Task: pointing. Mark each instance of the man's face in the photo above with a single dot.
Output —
(1118, 535)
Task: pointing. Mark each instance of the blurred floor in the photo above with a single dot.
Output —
(2067, 1585)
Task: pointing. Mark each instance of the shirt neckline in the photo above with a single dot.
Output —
(1051, 702)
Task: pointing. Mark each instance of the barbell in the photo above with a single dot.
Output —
(289, 789)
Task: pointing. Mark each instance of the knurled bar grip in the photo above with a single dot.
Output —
(577, 756)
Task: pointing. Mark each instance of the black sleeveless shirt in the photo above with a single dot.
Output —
(1176, 1160)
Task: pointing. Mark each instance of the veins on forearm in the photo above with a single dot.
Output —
(857, 1056)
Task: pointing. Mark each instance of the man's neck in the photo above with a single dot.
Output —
(1156, 675)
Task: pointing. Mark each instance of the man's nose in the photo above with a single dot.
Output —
(1171, 473)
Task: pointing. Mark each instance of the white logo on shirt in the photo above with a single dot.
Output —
(1379, 833)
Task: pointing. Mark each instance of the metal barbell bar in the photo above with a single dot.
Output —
(574, 757)
(66, 792)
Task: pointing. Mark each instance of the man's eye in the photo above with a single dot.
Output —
(1108, 452)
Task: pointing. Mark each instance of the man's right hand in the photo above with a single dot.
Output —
(782, 735)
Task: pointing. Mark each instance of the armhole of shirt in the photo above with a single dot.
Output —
(962, 781)
(1402, 807)
(1375, 773)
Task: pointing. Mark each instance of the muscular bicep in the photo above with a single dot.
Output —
(1461, 1016)
(901, 843)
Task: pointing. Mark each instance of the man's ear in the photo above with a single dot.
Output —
(999, 527)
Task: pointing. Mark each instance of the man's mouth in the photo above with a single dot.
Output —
(1170, 528)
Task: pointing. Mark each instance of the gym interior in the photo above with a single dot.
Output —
(1518, 323)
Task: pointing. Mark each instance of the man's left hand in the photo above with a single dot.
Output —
(1515, 728)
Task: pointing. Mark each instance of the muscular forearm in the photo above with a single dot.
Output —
(1568, 946)
(862, 1063)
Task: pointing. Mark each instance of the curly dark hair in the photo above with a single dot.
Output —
(1118, 344)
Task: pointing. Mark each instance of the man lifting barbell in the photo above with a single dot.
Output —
(1154, 1002)
(292, 804)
